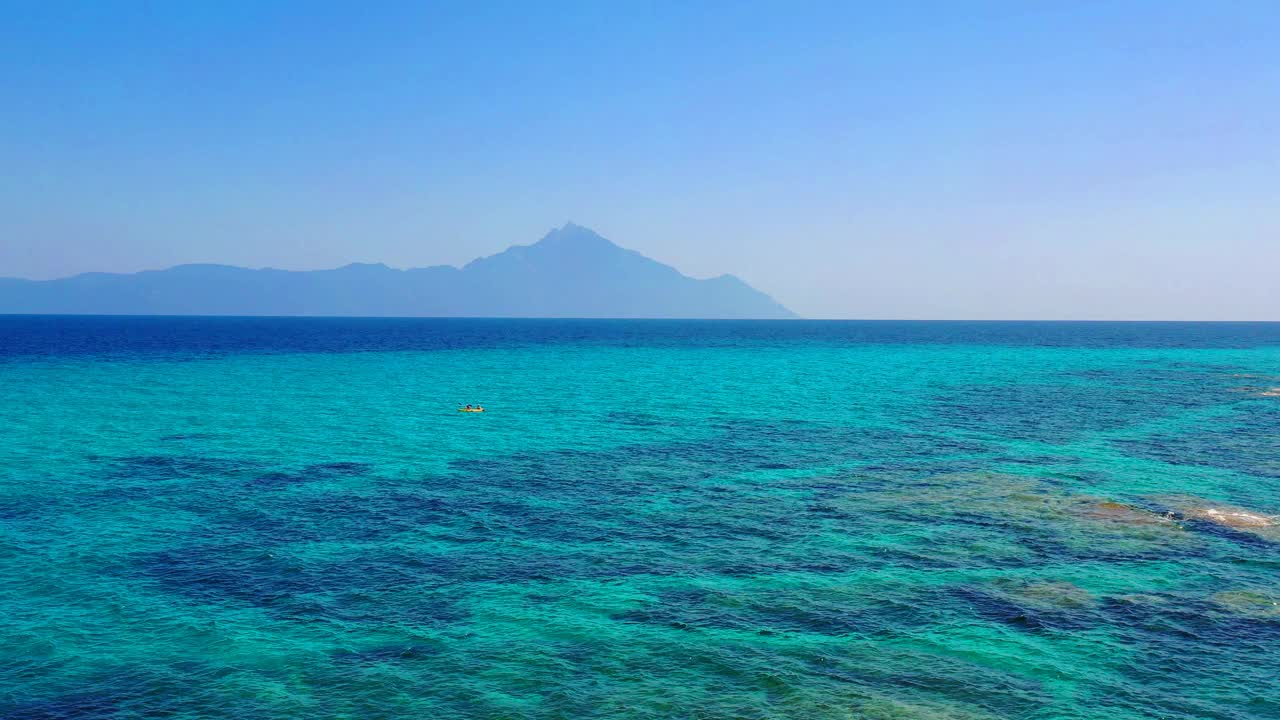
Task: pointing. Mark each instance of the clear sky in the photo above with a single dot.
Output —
(888, 160)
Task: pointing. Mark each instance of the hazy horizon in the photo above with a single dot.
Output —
(1000, 161)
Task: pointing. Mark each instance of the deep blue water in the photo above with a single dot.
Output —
(63, 336)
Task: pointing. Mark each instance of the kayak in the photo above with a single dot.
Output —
(470, 409)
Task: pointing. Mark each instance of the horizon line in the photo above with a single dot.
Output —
(642, 319)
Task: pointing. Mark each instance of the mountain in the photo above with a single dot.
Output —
(572, 272)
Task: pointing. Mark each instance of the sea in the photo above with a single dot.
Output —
(289, 518)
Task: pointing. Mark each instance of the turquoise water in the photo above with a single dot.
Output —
(287, 518)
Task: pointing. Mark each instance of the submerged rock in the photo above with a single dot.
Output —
(1031, 605)
(1111, 511)
(1226, 516)
(1229, 516)
(1251, 603)
(1044, 593)
(1022, 516)
(1232, 517)
(1059, 593)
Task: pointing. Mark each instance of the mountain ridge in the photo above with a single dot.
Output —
(571, 272)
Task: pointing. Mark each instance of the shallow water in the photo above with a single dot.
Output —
(287, 518)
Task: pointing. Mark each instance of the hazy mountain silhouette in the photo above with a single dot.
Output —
(572, 272)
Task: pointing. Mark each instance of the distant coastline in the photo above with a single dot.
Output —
(571, 272)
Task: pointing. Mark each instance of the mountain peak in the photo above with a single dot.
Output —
(365, 266)
(572, 235)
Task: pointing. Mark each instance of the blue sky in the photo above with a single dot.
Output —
(919, 159)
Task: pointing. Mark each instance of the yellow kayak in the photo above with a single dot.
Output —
(470, 409)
